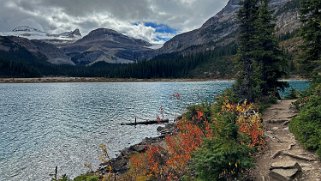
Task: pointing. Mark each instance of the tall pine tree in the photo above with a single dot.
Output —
(246, 86)
(269, 58)
(311, 33)
(263, 63)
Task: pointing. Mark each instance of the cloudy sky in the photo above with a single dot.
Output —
(152, 20)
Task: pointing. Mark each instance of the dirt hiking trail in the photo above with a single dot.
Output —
(284, 158)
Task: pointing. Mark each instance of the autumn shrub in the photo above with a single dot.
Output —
(227, 96)
(170, 162)
(213, 141)
(237, 131)
(222, 156)
(199, 114)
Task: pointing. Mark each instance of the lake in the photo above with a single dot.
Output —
(44, 125)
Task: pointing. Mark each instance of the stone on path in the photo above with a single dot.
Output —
(285, 170)
(285, 165)
(284, 174)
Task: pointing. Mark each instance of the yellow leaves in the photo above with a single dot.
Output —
(248, 120)
(252, 126)
(237, 108)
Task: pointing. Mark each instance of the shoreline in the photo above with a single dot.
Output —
(120, 164)
(102, 79)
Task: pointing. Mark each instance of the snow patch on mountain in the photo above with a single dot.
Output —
(36, 34)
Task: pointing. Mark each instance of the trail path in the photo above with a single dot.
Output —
(283, 151)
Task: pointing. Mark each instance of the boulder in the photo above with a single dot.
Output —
(285, 165)
(138, 148)
(285, 170)
(284, 174)
(168, 129)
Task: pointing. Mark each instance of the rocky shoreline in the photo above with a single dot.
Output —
(120, 164)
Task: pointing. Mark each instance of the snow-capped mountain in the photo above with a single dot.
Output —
(36, 34)
(107, 45)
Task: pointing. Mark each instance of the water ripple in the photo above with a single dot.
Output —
(61, 124)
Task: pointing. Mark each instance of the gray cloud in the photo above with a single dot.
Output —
(120, 15)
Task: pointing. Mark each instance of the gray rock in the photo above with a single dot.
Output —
(285, 165)
(285, 170)
(138, 148)
(284, 174)
(168, 129)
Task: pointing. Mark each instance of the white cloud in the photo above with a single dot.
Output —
(120, 15)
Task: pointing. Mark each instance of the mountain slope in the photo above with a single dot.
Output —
(106, 45)
(38, 49)
(221, 29)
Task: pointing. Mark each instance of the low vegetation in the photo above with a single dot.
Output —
(307, 125)
(212, 141)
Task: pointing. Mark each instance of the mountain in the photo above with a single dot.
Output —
(205, 52)
(36, 34)
(106, 45)
(222, 29)
(100, 45)
(72, 34)
(37, 48)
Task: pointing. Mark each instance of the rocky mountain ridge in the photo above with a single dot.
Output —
(222, 28)
(37, 48)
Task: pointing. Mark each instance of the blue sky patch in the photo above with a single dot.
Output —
(161, 28)
(163, 32)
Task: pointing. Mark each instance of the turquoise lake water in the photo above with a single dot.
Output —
(62, 124)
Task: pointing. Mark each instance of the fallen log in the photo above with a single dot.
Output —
(147, 122)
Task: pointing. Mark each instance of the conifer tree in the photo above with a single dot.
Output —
(246, 86)
(269, 57)
(311, 33)
(263, 63)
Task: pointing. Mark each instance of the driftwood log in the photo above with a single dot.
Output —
(147, 122)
